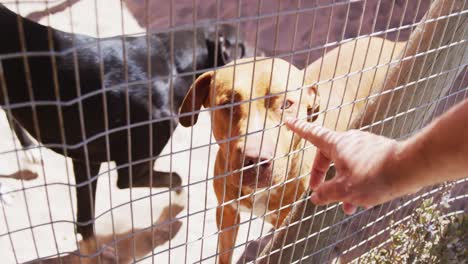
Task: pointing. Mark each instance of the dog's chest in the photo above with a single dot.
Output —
(258, 203)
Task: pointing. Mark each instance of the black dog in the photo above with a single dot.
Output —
(97, 100)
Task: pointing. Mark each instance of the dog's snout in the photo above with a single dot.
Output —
(258, 150)
(252, 159)
(258, 167)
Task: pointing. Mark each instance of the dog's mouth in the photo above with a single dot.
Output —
(256, 177)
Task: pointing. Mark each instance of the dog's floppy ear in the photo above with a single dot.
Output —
(313, 106)
(195, 98)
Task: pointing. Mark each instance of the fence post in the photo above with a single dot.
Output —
(436, 65)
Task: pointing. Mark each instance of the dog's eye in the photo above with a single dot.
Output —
(286, 104)
(229, 107)
(225, 104)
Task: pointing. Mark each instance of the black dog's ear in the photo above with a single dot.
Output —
(230, 43)
(313, 107)
(229, 50)
(195, 98)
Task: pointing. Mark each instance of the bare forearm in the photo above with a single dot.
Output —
(439, 152)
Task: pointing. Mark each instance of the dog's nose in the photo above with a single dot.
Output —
(262, 160)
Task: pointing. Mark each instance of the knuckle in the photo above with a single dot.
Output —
(308, 132)
(340, 190)
(318, 195)
(344, 187)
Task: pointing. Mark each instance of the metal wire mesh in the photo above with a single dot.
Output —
(50, 173)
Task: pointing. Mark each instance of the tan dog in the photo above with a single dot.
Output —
(366, 61)
(228, 91)
(249, 161)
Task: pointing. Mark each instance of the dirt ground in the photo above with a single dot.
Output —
(49, 198)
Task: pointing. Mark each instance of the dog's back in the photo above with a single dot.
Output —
(359, 67)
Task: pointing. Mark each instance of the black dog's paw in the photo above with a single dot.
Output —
(167, 179)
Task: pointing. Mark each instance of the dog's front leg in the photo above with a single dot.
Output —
(227, 219)
(86, 201)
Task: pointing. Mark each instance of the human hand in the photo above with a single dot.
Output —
(365, 163)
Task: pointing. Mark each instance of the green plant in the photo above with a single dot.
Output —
(427, 237)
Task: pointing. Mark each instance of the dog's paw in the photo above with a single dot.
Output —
(176, 180)
(179, 197)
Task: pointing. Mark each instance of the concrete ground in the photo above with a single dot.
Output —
(49, 199)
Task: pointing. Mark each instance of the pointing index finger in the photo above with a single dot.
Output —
(321, 137)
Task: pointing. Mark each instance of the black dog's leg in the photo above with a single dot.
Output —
(141, 177)
(85, 197)
(25, 140)
(160, 179)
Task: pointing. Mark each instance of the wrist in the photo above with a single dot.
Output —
(402, 168)
(415, 168)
